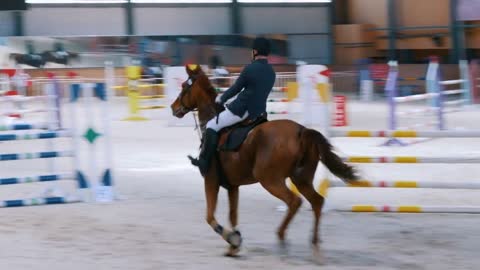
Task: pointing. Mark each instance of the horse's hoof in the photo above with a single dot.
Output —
(283, 245)
(235, 239)
(281, 236)
(317, 255)
(316, 241)
(232, 251)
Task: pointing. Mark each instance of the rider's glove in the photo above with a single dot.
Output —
(218, 100)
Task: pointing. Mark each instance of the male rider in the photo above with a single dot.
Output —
(256, 80)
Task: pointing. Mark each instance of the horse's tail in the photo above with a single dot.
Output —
(315, 141)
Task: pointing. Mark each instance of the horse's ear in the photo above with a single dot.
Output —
(192, 67)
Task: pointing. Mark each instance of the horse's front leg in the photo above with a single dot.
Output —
(211, 193)
(235, 238)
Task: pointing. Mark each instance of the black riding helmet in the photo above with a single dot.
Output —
(262, 46)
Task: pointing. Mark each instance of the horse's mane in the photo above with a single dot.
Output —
(206, 85)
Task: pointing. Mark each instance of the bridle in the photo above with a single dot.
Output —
(184, 109)
(186, 91)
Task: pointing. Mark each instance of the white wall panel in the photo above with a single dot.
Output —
(61, 21)
(265, 20)
(182, 20)
(312, 49)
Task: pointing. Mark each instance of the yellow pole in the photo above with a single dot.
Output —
(292, 90)
(133, 94)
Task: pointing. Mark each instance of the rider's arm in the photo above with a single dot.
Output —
(239, 84)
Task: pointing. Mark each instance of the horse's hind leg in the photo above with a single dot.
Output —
(278, 188)
(305, 186)
(316, 201)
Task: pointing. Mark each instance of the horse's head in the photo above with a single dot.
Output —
(197, 92)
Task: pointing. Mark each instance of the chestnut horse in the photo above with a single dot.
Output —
(272, 152)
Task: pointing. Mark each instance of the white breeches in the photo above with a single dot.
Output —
(225, 119)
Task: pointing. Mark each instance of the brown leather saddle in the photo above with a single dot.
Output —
(231, 138)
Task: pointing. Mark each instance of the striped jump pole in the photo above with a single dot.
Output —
(153, 107)
(152, 97)
(415, 97)
(405, 134)
(451, 82)
(37, 178)
(278, 112)
(23, 126)
(37, 201)
(411, 159)
(407, 184)
(151, 85)
(36, 136)
(36, 155)
(412, 78)
(19, 98)
(25, 111)
(278, 100)
(408, 209)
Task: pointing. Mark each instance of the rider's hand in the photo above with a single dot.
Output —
(218, 100)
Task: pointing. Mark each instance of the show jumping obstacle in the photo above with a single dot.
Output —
(13, 104)
(436, 95)
(407, 184)
(410, 209)
(325, 100)
(78, 176)
(81, 94)
(133, 91)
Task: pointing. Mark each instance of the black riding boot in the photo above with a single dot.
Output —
(208, 149)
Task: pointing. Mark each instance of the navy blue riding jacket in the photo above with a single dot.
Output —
(257, 80)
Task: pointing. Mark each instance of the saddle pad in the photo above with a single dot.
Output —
(238, 134)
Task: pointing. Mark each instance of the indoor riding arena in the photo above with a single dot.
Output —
(240, 134)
